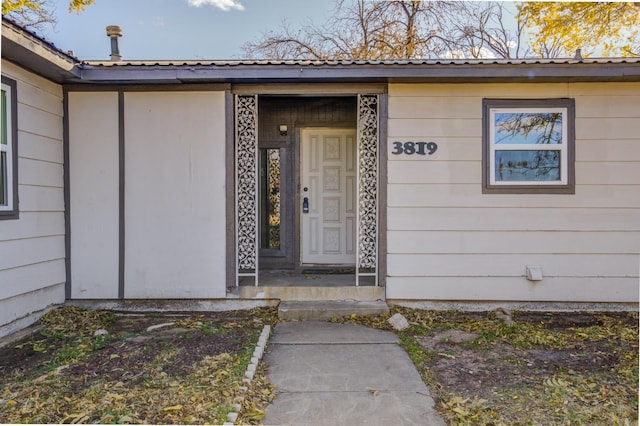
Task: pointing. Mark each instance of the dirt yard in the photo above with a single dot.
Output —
(528, 368)
(156, 368)
(535, 368)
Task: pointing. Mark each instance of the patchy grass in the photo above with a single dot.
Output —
(558, 368)
(186, 373)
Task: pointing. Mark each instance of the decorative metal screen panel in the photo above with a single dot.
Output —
(270, 227)
(367, 185)
(247, 186)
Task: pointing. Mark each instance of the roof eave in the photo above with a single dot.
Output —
(34, 54)
(367, 73)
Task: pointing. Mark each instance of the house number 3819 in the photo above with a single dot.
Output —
(411, 148)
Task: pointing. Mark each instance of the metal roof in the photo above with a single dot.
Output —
(307, 63)
(33, 52)
(307, 71)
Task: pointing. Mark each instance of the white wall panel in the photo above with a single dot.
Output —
(28, 278)
(435, 172)
(29, 251)
(41, 94)
(594, 106)
(36, 224)
(38, 147)
(603, 89)
(38, 172)
(493, 90)
(563, 289)
(38, 121)
(556, 242)
(608, 150)
(32, 250)
(609, 128)
(449, 241)
(470, 195)
(41, 198)
(608, 173)
(434, 107)
(93, 164)
(434, 128)
(513, 265)
(175, 195)
(511, 219)
(22, 306)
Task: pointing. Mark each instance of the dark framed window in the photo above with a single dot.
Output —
(528, 146)
(9, 151)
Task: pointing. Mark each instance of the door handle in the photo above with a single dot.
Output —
(305, 205)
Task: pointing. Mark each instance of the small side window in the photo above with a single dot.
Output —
(9, 151)
(528, 146)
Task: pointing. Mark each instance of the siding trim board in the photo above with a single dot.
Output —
(230, 185)
(12, 107)
(121, 196)
(383, 178)
(196, 87)
(67, 192)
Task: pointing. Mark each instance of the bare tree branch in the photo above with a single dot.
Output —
(33, 15)
(368, 29)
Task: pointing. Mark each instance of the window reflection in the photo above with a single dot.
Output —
(541, 165)
(528, 128)
(270, 194)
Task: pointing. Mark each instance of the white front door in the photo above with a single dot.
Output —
(328, 196)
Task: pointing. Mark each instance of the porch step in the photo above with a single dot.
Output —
(323, 310)
(308, 293)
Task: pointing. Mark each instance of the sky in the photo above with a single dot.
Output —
(177, 29)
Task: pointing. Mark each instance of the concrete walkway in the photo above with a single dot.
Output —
(342, 374)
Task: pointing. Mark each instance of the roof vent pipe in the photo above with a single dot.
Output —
(578, 55)
(114, 32)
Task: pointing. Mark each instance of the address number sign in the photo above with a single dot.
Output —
(413, 148)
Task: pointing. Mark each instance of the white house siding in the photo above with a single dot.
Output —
(32, 250)
(449, 241)
(94, 194)
(173, 200)
(175, 232)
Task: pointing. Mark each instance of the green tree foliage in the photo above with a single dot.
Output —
(600, 28)
(79, 5)
(13, 5)
(35, 14)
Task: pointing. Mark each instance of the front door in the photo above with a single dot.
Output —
(328, 196)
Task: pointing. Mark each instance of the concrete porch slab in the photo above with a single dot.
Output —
(323, 310)
(308, 293)
(321, 332)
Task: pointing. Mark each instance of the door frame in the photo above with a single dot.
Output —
(297, 160)
(300, 230)
(380, 117)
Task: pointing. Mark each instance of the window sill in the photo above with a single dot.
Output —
(529, 189)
